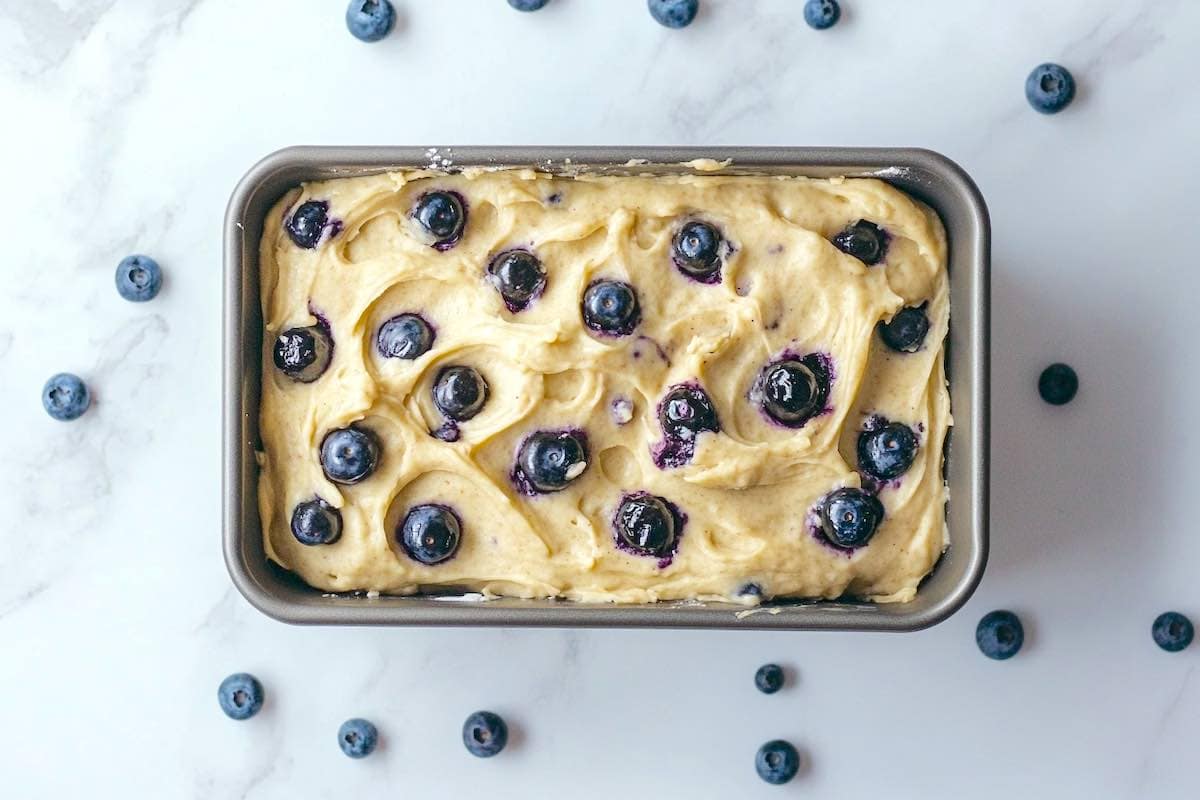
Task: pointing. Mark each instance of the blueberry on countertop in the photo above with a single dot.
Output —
(484, 734)
(696, 251)
(518, 276)
(357, 738)
(1049, 88)
(138, 278)
(645, 525)
(864, 240)
(792, 391)
(769, 678)
(308, 222)
(1172, 631)
(548, 461)
(1058, 384)
(849, 517)
(303, 354)
(460, 392)
(370, 20)
(822, 14)
(406, 336)
(240, 696)
(887, 451)
(528, 5)
(673, 13)
(905, 331)
(687, 411)
(430, 533)
(316, 522)
(443, 215)
(999, 635)
(349, 455)
(65, 397)
(777, 762)
(611, 307)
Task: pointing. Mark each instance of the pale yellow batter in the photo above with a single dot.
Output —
(748, 491)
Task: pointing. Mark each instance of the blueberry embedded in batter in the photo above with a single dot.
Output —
(310, 222)
(316, 522)
(548, 461)
(886, 449)
(519, 277)
(349, 455)
(864, 240)
(793, 390)
(443, 216)
(684, 413)
(405, 336)
(430, 533)
(696, 251)
(648, 525)
(611, 308)
(303, 354)
(905, 332)
(849, 517)
(460, 392)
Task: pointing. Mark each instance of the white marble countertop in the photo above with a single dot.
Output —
(126, 125)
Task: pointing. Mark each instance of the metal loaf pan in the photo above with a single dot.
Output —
(926, 175)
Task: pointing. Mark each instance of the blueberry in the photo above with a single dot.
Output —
(673, 13)
(303, 354)
(307, 223)
(443, 215)
(138, 278)
(645, 524)
(484, 734)
(822, 14)
(850, 516)
(65, 397)
(518, 276)
(1058, 384)
(349, 455)
(887, 451)
(1172, 631)
(1049, 88)
(430, 533)
(240, 696)
(777, 762)
(696, 251)
(686, 411)
(611, 307)
(769, 678)
(905, 331)
(999, 635)
(864, 240)
(357, 738)
(792, 391)
(460, 392)
(316, 522)
(528, 5)
(548, 461)
(406, 336)
(370, 20)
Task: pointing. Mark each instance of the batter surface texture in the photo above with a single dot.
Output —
(341, 258)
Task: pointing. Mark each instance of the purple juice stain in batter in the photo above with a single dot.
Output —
(679, 518)
(323, 323)
(822, 367)
(447, 432)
